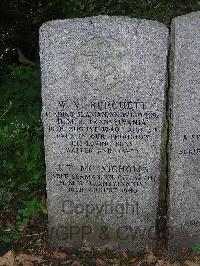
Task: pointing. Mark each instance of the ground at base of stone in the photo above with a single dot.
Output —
(32, 250)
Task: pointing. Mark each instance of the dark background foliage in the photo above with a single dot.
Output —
(21, 19)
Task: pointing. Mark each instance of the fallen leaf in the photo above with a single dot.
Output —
(59, 255)
(150, 258)
(190, 263)
(197, 259)
(65, 262)
(27, 260)
(160, 263)
(86, 249)
(22, 228)
(28, 263)
(113, 262)
(134, 261)
(166, 263)
(76, 263)
(122, 253)
(8, 259)
(100, 262)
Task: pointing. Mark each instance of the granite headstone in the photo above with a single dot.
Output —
(184, 152)
(103, 91)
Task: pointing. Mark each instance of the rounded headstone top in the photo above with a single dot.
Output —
(101, 18)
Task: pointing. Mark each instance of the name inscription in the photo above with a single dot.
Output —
(103, 126)
(102, 178)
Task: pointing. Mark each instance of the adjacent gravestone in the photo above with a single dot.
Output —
(103, 91)
(184, 213)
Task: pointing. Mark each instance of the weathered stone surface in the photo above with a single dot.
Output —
(103, 90)
(184, 196)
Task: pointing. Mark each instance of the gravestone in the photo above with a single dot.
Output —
(184, 185)
(103, 91)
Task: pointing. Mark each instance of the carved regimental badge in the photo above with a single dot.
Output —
(102, 63)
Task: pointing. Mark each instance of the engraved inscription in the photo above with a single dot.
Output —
(190, 145)
(102, 178)
(117, 126)
(102, 63)
(105, 127)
